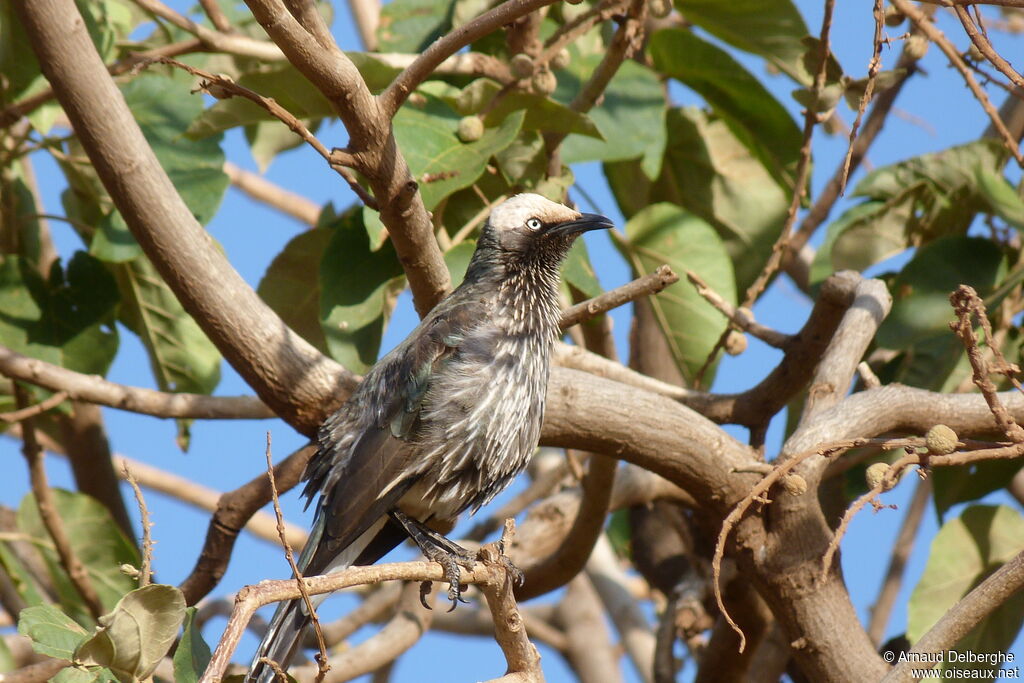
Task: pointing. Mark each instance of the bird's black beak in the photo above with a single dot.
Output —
(585, 223)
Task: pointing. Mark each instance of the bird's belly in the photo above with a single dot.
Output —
(480, 436)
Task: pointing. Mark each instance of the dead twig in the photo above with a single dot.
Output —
(146, 570)
(966, 303)
(322, 665)
(37, 409)
(742, 318)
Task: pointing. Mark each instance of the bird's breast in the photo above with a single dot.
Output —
(481, 420)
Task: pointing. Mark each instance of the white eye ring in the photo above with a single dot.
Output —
(533, 224)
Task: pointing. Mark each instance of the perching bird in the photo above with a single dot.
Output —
(447, 419)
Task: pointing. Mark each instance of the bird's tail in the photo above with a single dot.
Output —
(289, 623)
(280, 642)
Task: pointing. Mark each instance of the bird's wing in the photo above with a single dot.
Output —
(363, 473)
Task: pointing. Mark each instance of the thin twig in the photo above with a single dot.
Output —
(33, 410)
(981, 42)
(873, 67)
(321, 659)
(743, 319)
(47, 505)
(646, 285)
(146, 570)
(953, 55)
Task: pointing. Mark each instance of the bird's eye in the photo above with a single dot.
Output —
(533, 224)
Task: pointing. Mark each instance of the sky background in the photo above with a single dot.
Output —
(934, 112)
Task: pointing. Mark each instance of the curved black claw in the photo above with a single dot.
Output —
(424, 592)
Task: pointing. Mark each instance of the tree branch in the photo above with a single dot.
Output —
(262, 190)
(94, 389)
(407, 81)
(646, 285)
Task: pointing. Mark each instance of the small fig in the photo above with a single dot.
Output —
(735, 343)
(560, 60)
(894, 17)
(916, 46)
(941, 440)
(471, 129)
(544, 82)
(876, 473)
(521, 65)
(794, 484)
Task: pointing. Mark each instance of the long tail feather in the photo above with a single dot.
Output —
(281, 641)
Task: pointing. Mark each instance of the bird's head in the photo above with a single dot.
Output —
(528, 227)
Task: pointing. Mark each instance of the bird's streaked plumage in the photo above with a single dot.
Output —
(448, 418)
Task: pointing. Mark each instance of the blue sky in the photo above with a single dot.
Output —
(933, 113)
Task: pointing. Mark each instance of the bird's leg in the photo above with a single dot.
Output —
(438, 549)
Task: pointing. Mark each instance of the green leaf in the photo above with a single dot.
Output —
(95, 539)
(18, 62)
(291, 285)
(412, 25)
(753, 115)
(92, 674)
(921, 290)
(1004, 201)
(710, 173)
(579, 272)
(64, 319)
(193, 654)
(910, 203)
(664, 233)
(24, 581)
(113, 242)
(7, 661)
(164, 110)
(52, 632)
(964, 552)
(133, 638)
(966, 483)
(438, 160)
(355, 286)
(457, 259)
(542, 113)
(182, 357)
(21, 212)
(634, 101)
(773, 29)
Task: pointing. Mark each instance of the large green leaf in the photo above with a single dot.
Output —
(910, 203)
(965, 551)
(634, 102)
(753, 115)
(438, 160)
(709, 172)
(291, 285)
(965, 483)
(182, 357)
(66, 319)
(52, 632)
(921, 290)
(133, 638)
(412, 25)
(773, 29)
(932, 356)
(95, 539)
(355, 286)
(196, 167)
(664, 233)
(192, 655)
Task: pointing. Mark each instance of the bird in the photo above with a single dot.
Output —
(443, 422)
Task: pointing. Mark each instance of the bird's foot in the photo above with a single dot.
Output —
(436, 548)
